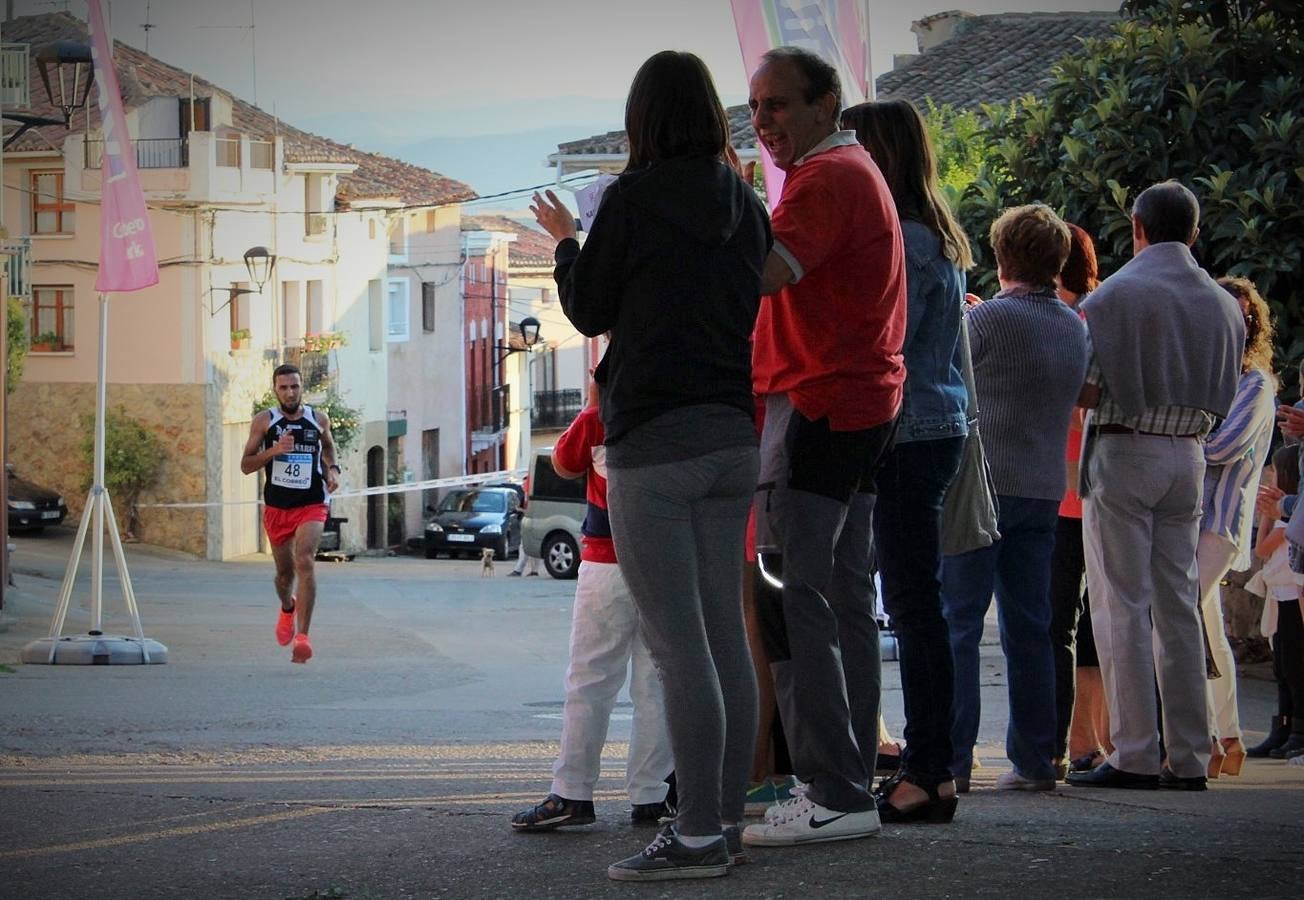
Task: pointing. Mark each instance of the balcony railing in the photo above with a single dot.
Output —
(314, 367)
(19, 264)
(556, 409)
(490, 409)
(15, 86)
(151, 153)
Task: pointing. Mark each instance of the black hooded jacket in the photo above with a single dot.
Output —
(672, 268)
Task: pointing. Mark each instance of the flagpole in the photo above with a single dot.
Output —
(95, 647)
(97, 486)
(127, 263)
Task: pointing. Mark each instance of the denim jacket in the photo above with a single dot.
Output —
(935, 404)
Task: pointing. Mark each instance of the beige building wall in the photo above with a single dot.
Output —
(427, 368)
(51, 427)
(170, 359)
(561, 361)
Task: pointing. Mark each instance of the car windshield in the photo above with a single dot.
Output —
(474, 501)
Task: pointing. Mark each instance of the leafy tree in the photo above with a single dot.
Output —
(1218, 13)
(958, 144)
(1167, 96)
(133, 459)
(16, 337)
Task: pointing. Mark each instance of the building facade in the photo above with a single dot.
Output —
(191, 358)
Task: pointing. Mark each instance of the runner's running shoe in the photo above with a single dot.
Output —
(285, 626)
(302, 651)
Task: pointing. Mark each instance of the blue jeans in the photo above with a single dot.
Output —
(907, 532)
(1017, 568)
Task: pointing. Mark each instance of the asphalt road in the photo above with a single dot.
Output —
(389, 765)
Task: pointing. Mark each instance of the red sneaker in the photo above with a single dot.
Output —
(302, 651)
(285, 626)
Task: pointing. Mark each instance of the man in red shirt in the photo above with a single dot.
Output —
(827, 363)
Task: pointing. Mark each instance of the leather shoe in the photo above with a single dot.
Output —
(1171, 782)
(1106, 776)
(1294, 744)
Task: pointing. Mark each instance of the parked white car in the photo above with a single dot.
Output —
(551, 527)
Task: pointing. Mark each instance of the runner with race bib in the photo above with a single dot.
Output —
(293, 446)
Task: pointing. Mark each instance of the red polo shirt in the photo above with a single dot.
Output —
(832, 339)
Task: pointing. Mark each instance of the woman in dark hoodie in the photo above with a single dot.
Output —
(672, 270)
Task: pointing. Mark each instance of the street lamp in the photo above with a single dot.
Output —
(68, 60)
(259, 264)
(70, 64)
(529, 329)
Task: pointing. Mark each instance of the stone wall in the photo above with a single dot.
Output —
(46, 434)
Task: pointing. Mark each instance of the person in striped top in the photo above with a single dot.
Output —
(1029, 358)
(1234, 454)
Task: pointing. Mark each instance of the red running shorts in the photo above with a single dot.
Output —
(281, 524)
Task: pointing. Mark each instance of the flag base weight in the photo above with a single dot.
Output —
(95, 650)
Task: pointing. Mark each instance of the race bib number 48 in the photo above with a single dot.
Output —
(292, 470)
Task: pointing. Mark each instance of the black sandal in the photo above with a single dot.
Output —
(1087, 761)
(935, 810)
(554, 812)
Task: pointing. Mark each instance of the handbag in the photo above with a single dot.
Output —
(969, 512)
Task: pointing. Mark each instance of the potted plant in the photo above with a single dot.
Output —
(323, 341)
(240, 338)
(47, 342)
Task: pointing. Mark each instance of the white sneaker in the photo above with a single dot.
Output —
(803, 821)
(795, 793)
(1013, 781)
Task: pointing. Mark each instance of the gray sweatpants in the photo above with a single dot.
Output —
(679, 529)
(814, 510)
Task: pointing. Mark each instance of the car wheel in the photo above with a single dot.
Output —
(432, 553)
(500, 551)
(561, 555)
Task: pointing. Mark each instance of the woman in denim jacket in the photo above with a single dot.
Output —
(929, 444)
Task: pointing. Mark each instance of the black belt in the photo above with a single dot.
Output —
(1123, 429)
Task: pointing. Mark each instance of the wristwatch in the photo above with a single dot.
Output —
(335, 467)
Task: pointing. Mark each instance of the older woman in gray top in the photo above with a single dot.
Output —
(1029, 359)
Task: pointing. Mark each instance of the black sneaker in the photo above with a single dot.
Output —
(733, 842)
(554, 812)
(1171, 781)
(668, 858)
(650, 813)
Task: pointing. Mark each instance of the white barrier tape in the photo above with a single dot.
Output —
(459, 481)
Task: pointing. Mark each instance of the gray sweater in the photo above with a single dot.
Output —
(1029, 360)
(1165, 334)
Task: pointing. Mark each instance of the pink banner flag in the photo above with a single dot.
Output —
(127, 258)
(837, 30)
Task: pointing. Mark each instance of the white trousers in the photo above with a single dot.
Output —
(605, 643)
(1140, 528)
(1215, 555)
(523, 559)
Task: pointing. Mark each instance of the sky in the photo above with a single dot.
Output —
(479, 90)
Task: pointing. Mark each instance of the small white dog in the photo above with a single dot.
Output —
(487, 563)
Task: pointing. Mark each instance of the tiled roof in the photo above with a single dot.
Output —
(990, 59)
(532, 248)
(617, 144)
(993, 59)
(142, 76)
